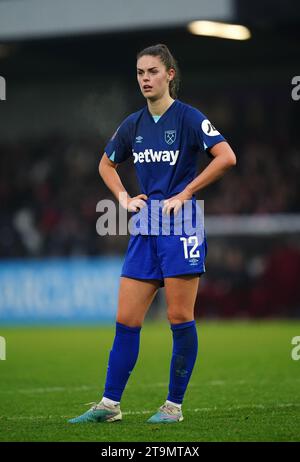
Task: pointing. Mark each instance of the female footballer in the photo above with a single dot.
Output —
(163, 139)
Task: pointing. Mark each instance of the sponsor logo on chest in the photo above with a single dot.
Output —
(149, 155)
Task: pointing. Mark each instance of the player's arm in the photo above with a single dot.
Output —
(223, 159)
(108, 172)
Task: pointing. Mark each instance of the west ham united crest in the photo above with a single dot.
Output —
(170, 136)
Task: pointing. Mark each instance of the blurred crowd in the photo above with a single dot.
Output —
(48, 192)
(247, 280)
(49, 189)
(264, 181)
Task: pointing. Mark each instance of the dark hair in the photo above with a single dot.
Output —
(168, 60)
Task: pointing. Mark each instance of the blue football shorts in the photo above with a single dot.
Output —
(163, 256)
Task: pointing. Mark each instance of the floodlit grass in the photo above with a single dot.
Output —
(245, 385)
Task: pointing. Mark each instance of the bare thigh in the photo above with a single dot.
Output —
(181, 293)
(135, 298)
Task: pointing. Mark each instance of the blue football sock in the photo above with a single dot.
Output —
(122, 360)
(185, 349)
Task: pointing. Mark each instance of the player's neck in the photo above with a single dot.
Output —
(160, 106)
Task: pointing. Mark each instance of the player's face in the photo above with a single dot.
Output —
(153, 77)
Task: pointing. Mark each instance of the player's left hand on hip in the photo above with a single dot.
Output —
(174, 203)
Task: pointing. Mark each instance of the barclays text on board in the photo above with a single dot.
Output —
(59, 290)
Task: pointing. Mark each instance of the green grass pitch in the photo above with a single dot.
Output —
(245, 385)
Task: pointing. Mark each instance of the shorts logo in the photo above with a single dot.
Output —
(193, 261)
(170, 136)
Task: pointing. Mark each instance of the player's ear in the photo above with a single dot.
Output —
(171, 76)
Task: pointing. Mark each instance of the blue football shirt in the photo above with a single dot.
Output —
(163, 149)
(165, 152)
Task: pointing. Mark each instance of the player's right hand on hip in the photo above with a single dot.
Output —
(134, 204)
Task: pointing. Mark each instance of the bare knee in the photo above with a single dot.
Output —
(178, 315)
(130, 322)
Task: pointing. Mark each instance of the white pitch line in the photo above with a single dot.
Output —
(231, 408)
(41, 390)
(204, 409)
(48, 390)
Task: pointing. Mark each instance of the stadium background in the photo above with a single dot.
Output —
(70, 80)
